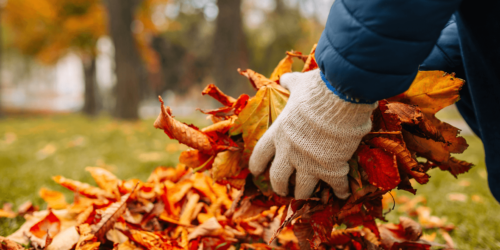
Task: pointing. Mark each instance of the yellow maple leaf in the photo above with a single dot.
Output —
(260, 112)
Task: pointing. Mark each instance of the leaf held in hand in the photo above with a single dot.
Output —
(380, 166)
(185, 134)
(260, 112)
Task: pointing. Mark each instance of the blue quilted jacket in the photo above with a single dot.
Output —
(372, 49)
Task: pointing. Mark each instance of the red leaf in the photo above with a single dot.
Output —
(380, 166)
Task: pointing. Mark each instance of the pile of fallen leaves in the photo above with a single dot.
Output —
(211, 201)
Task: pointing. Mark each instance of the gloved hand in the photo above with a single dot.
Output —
(316, 134)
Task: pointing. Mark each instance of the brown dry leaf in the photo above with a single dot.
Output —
(109, 217)
(257, 80)
(188, 135)
(404, 235)
(284, 66)
(383, 120)
(82, 188)
(455, 166)
(403, 156)
(217, 94)
(431, 91)
(260, 112)
(54, 199)
(6, 244)
(310, 63)
(415, 121)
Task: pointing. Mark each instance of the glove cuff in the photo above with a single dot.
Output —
(342, 96)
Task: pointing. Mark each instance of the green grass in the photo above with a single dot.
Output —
(32, 150)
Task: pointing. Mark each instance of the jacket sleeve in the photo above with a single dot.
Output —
(371, 50)
(446, 54)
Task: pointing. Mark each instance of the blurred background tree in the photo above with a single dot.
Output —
(49, 29)
(159, 47)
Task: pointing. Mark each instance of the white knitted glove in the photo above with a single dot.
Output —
(315, 134)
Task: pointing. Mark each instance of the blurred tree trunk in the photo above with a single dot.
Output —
(90, 103)
(230, 48)
(126, 57)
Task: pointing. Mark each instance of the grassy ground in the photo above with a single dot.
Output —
(34, 149)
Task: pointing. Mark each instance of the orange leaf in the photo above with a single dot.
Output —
(185, 134)
(223, 111)
(310, 63)
(109, 217)
(227, 164)
(240, 104)
(49, 224)
(217, 94)
(284, 66)
(257, 80)
(194, 159)
(380, 166)
(105, 180)
(260, 112)
(82, 188)
(403, 157)
(431, 91)
(189, 208)
(383, 121)
(221, 127)
(54, 199)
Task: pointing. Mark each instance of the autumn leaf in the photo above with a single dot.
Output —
(105, 180)
(455, 166)
(257, 80)
(405, 235)
(6, 244)
(431, 91)
(221, 127)
(195, 159)
(227, 164)
(403, 157)
(82, 188)
(284, 66)
(54, 199)
(185, 134)
(415, 121)
(49, 224)
(380, 166)
(310, 63)
(217, 94)
(260, 112)
(223, 111)
(109, 217)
